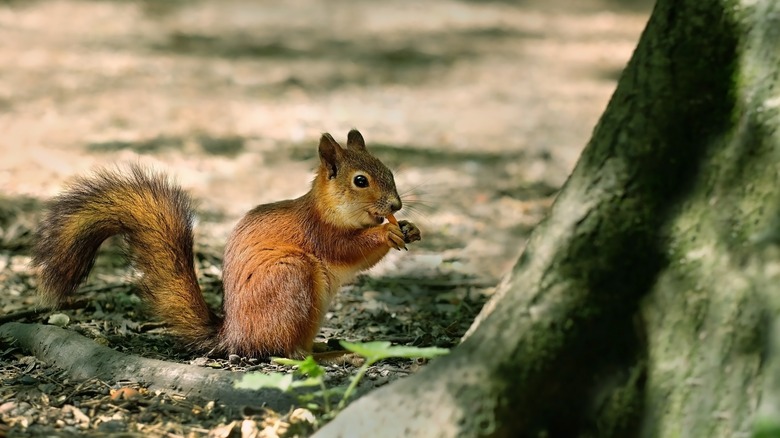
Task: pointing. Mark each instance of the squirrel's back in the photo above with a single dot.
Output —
(155, 218)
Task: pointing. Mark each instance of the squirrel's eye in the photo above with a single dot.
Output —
(361, 181)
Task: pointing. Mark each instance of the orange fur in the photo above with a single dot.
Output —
(283, 263)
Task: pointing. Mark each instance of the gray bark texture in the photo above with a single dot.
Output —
(645, 304)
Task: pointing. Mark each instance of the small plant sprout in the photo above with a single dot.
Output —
(378, 350)
(314, 375)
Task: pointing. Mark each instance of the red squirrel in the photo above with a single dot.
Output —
(283, 262)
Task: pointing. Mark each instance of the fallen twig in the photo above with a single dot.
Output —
(75, 304)
(24, 314)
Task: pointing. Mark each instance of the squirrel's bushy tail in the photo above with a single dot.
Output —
(155, 217)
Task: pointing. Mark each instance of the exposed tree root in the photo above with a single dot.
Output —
(82, 358)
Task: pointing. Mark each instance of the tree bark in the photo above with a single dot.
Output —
(643, 304)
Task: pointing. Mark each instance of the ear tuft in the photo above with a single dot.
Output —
(355, 140)
(330, 154)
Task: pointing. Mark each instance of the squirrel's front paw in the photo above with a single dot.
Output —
(395, 237)
(410, 230)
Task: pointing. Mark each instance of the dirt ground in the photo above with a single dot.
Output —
(482, 108)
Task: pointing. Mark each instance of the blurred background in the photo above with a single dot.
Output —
(481, 107)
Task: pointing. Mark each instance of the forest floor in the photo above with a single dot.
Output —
(481, 107)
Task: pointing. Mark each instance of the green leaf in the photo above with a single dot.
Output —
(285, 361)
(377, 350)
(308, 366)
(279, 381)
(311, 381)
(766, 427)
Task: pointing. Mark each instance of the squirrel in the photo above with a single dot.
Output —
(283, 262)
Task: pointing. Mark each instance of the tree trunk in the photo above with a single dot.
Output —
(643, 304)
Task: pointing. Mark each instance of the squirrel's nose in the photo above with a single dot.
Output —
(395, 204)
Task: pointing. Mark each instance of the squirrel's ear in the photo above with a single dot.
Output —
(330, 154)
(355, 140)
